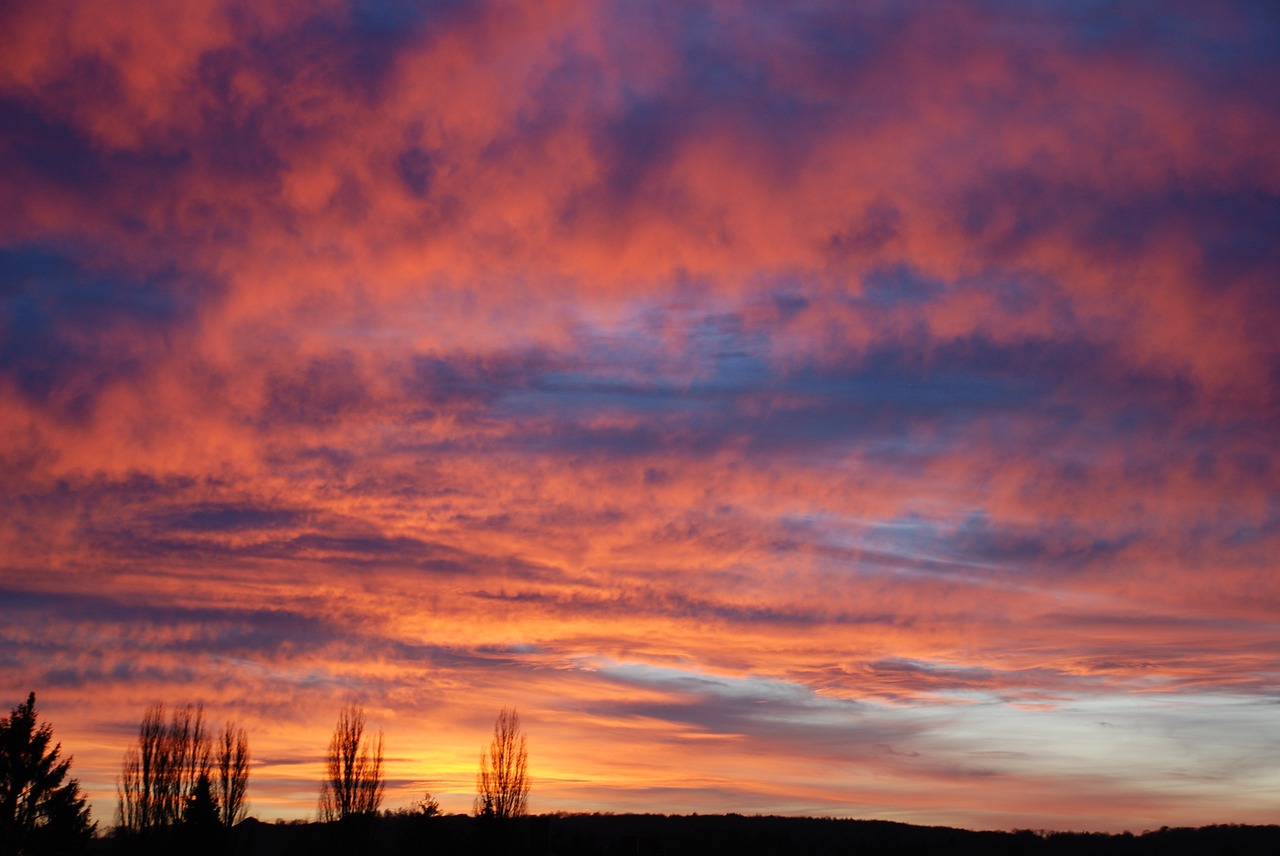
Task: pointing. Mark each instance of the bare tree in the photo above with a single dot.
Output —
(353, 782)
(233, 775)
(502, 787)
(136, 790)
(161, 771)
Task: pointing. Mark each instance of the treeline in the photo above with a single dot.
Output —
(184, 787)
(178, 775)
(408, 834)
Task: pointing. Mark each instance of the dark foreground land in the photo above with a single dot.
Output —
(696, 835)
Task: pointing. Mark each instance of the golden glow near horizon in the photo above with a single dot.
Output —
(806, 410)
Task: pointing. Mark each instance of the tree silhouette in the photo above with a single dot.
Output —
(353, 782)
(38, 812)
(201, 811)
(502, 786)
(233, 775)
(161, 771)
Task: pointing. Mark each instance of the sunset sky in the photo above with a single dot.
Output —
(857, 409)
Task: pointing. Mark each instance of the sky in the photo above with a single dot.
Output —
(821, 408)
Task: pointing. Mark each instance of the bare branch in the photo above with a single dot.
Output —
(353, 783)
(502, 786)
(233, 775)
(161, 771)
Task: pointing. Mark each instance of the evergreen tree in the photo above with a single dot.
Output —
(201, 812)
(41, 811)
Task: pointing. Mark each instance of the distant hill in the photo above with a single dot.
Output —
(689, 835)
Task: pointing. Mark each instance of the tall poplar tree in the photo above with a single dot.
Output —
(502, 786)
(353, 782)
